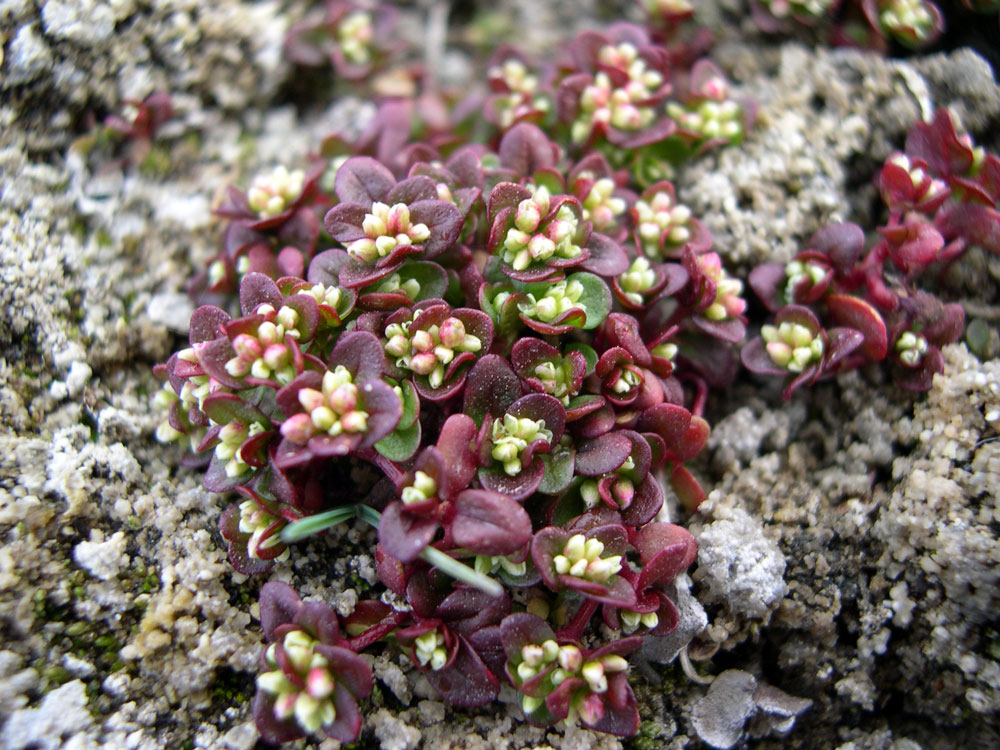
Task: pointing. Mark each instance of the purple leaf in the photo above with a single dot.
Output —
(363, 180)
(603, 454)
(222, 408)
(854, 312)
(606, 256)
(490, 388)
(456, 443)
(519, 486)
(443, 219)
(270, 727)
(412, 189)
(466, 681)
(841, 342)
(325, 267)
(384, 411)
(526, 149)
(347, 725)
(467, 610)
(505, 195)
(343, 221)
(258, 289)
(361, 353)
(404, 535)
(206, 324)
(489, 524)
(349, 669)
(278, 606)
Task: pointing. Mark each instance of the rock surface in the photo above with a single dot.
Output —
(850, 550)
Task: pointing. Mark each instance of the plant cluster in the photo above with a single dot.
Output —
(514, 324)
(838, 305)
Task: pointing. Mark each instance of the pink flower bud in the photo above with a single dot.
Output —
(284, 706)
(298, 428)
(558, 230)
(452, 332)
(624, 491)
(354, 421)
(344, 398)
(527, 216)
(422, 341)
(247, 347)
(311, 399)
(399, 219)
(591, 710)
(275, 356)
(424, 363)
(735, 306)
(319, 683)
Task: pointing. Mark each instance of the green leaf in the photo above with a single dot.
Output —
(400, 445)
(223, 408)
(411, 405)
(306, 527)
(460, 572)
(558, 471)
(596, 298)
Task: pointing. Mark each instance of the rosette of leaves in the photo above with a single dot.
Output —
(798, 347)
(383, 222)
(351, 37)
(912, 23)
(603, 193)
(437, 494)
(559, 680)
(336, 304)
(239, 436)
(972, 174)
(707, 115)
(433, 345)
(263, 347)
(917, 331)
(535, 235)
(676, 436)
(630, 374)
(350, 389)
(515, 431)
(644, 282)
(613, 471)
(311, 683)
(666, 550)
(826, 264)
(519, 93)
(664, 227)
(452, 630)
(711, 301)
(458, 180)
(274, 225)
(586, 562)
(581, 300)
(253, 526)
(615, 93)
(545, 369)
(907, 185)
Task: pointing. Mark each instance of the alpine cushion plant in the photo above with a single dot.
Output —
(499, 354)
